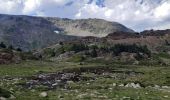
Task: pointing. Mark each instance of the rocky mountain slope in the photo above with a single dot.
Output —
(30, 33)
(88, 27)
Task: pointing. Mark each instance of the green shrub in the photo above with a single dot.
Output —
(77, 58)
(94, 53)
(4, 93)
(19, 49)
(10, 47)
(6, 50)
(28, 55)
(61, 50)
(93, 47)
(2, 45)
(118, 48)
(76, 47)
(50, 52)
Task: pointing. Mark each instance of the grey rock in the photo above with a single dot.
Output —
(121, 85)
(43, 94)
(114, 84)
(3, 98)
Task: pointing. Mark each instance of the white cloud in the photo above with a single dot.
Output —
(136, 14)
(30, 6)
(10, 6)
(162, 10)
(108, 13)
(94, 11)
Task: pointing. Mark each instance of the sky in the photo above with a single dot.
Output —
(138, 15)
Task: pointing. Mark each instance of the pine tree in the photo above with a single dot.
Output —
(19, 49)
(94, 53)
(2, 45)
(10, 47)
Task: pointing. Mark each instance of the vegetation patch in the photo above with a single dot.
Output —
(4, 93)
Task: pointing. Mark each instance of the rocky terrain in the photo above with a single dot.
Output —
(97, 80)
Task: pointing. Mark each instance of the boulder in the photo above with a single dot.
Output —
(3, 98)
(133, 85)
(114, 84)
(121, 85)
(43, 94)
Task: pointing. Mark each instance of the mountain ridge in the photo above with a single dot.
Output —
(30, 32)
(89, 27)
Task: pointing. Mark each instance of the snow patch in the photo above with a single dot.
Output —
(58, 32)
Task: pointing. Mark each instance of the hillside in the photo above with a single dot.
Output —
(156, 41)
(30, 33)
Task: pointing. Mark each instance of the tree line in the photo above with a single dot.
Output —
(3, 45)
(115, 49)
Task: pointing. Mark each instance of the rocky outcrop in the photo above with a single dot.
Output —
(122, 35)
(155, 32)
(7, 57)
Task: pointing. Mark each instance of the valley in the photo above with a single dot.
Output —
(46, 59)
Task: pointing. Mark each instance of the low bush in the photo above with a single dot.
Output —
(4, 93)
(118, 48)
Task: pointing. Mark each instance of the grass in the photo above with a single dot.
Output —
(99, 89)
(96, 92)
(29, 68)
(25, 68)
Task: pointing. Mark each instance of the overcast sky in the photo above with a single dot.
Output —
(136, 14)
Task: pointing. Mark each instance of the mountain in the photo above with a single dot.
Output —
(88, 27)
(28, 32)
